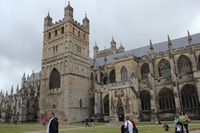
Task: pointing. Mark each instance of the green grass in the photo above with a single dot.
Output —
(100, 128)
(20, 128)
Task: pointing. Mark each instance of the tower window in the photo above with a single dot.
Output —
(84, 36)
(62, 30)
(80, 103)
(56, 33)
(49, 35)
(73, 30)
(79, 33)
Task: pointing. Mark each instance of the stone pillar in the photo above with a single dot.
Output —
(177, 99)
(198, 88)
(193, 60)
(96, 110)
(151, 84)
(175, 85)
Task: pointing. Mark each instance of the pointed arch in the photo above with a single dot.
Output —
(112, 76)
(198, 64)
(189, 97)
(54, 79)
(101, 78)
(184, 65)
(164, 68)
(106, 105)
(166, 99)
(145, 70)
(145, 100)
(124, 76)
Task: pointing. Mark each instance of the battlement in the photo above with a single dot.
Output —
(109, 51)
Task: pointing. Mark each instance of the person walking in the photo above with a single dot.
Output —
(87, 122)
(166, 127)
(135, 130)
(128, 126)
(52, 126)
(184, 119)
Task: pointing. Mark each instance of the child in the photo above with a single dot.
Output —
(178, 128)
(166, 127)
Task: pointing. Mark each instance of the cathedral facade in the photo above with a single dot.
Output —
(154, 82)
(150, 83)
(22, 106)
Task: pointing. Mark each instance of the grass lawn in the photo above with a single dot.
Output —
(100, 128)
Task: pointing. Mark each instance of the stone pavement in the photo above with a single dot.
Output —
(197, 131)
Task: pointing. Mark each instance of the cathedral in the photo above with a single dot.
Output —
(150, 83)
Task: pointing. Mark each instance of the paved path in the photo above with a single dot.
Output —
(197, 131)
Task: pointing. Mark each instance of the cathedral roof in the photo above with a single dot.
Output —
(158, 47)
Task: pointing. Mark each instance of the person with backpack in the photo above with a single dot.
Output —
(135, 130)
(184, 119)
(128, 126)
(166, 127)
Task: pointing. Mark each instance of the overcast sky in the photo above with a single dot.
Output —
(132, 22)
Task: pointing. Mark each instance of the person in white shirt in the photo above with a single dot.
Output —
(52, 126)
(128, 125)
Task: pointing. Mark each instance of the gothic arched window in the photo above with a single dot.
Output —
(145, 100)
(106, 105)
(54, 80)
(92, 104)
(101, 78)
(184, 65)
(73, 31)
(189, 97)
(145, 70)
(124, 76)
(198, 65)
(166, 99)
(164, 68)
(92, 81)
(112, 76)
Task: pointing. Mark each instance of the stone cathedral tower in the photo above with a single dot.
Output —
(65, 76)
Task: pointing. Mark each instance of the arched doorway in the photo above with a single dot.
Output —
(106, 105)
(120, 113)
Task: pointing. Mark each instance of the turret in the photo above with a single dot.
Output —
(69, 12)
(121, 48)
(113, 44)
(33, 75)
(169, 45)
(23, 80)
(151, 48)
(105, 59)
(189, 38)
(47, 21)
(105, 67)
(17, 90)
(86, 23)
(11, 92)
(96, 50)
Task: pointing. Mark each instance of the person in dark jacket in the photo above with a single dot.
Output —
(52, 126)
